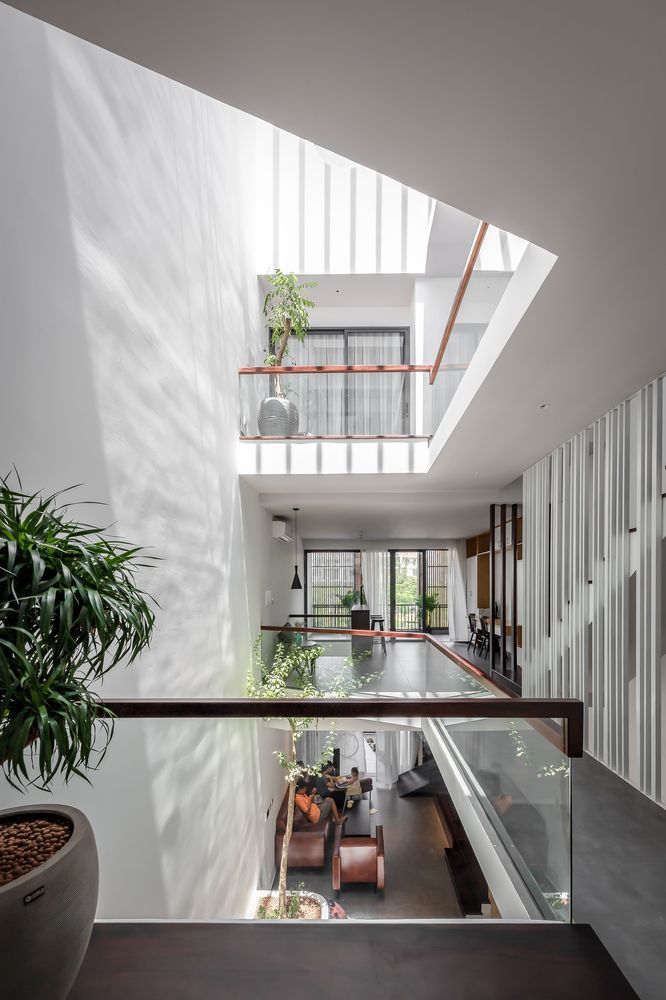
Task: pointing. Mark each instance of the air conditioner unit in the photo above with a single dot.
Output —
(281, 530)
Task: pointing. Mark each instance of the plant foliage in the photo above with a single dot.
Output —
(285, 678)
(287, 312)
(70, 610)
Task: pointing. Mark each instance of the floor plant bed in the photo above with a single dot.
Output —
(301, 905)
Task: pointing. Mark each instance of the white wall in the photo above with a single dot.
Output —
(358, 316)
(128, 301)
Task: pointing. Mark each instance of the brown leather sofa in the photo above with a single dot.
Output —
(307, 847)
(358, 859)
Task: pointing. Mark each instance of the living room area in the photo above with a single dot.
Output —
(389, 858)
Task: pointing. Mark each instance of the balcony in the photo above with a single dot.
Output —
(493, 763)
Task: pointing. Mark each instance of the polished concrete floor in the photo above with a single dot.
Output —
(407, 667)
(619, 837)
(418, 881)
(619, 873)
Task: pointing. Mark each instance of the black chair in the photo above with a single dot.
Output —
(485, 638)
(378, 620)
(476, 637)
(471, 624)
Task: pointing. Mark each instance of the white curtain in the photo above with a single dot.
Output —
(375, 572)
(396, 752)
(376, 400)
(320, 398)
(458, 590)
(310, 746)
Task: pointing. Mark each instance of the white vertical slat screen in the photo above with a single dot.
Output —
(594, 615)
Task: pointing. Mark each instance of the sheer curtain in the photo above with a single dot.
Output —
(396, 753)
(320, 398)
(458, 590)
(376, 400)
(311, 745)
(375, 572)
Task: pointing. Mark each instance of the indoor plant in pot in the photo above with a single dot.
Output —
(428, 603)
(70, 610)
(287, 313)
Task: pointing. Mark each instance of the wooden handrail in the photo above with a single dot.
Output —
(305, 438)
(331, 369)
(345, 369)
(460, 294)
(568, 709)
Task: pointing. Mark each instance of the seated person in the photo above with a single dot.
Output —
(310, 809)
(352, 786)
(326, 787)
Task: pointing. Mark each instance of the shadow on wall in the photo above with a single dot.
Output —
(128, 288)
(57, 440)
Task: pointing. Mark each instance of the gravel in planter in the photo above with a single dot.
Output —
(27, 843)
(308, 908)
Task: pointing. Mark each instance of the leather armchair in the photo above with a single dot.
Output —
(358, 859)
(307, 847)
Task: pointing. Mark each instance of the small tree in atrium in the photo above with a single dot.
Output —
(287, 312)
(285, 677)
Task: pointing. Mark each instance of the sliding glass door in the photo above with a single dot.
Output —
(406, 591)
(416, 573)
(351, 404)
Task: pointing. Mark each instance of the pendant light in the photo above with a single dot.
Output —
(296, 582)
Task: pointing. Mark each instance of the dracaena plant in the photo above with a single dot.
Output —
(70, 610)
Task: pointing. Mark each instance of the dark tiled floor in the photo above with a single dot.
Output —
(418, 882)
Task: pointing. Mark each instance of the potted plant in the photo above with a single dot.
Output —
(427, 602)
(276, 681)
(350, 599)
(287, 313)
(70, 610)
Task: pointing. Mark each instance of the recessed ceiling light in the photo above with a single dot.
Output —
(544, 406)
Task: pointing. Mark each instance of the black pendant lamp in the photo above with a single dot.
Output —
(296, 582)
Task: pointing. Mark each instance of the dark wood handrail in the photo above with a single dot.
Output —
(460, 295)
(568, 709)
(304, 438)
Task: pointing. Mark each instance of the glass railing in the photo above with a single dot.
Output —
(335, 402)
(519, 776)
(447, 820)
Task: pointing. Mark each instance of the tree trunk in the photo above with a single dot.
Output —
(282, 885)
(282, 347)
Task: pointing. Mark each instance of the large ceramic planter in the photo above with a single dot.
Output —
(46, 916)
(259, 894)
(277, 417)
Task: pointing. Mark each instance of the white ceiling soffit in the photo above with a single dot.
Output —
(544, 119)
(402, 515)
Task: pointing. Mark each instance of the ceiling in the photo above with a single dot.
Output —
(358, 290)
(544, 119)
(403, 514)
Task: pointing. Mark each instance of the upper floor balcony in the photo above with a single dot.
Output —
(377, 380)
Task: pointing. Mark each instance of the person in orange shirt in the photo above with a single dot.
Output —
(310, 809)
